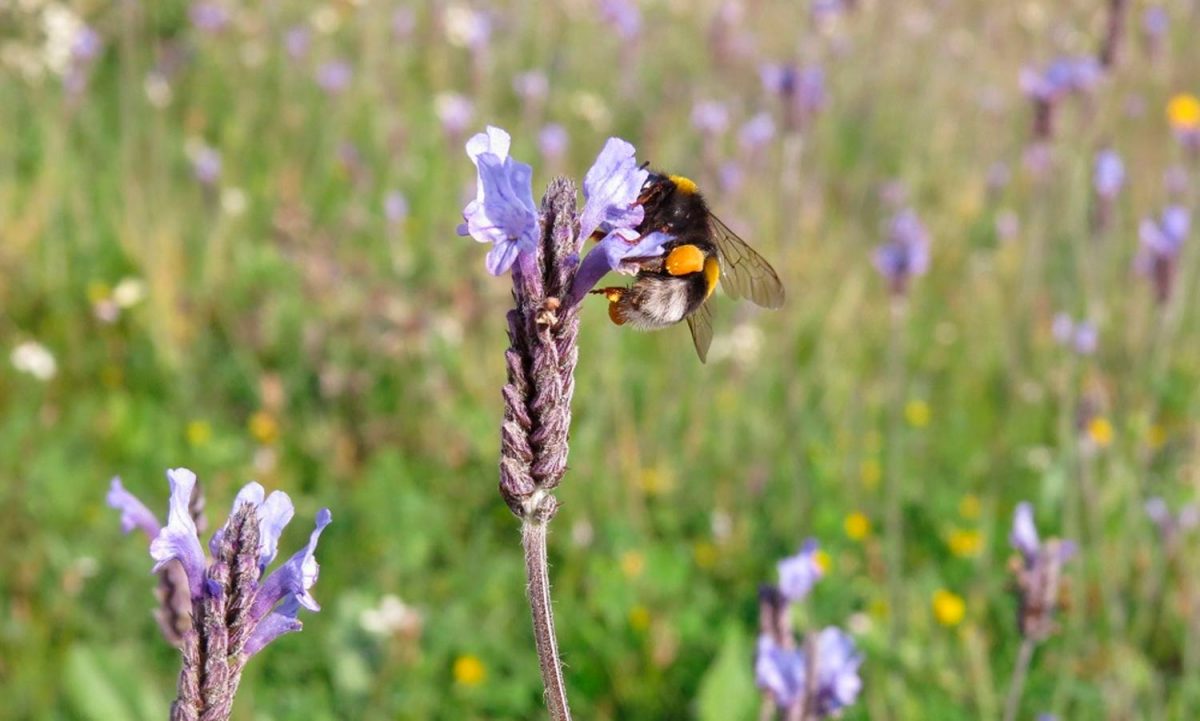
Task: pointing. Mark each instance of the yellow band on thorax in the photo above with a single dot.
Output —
(684, 185)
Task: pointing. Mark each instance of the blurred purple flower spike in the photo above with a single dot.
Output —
(503, 212)
(1161, 244)
(334, 76)
(799, 573)
(210, 17)
(1109, 173)
(1038, 574)
(623, 16)
(552, 141)
(905, 254)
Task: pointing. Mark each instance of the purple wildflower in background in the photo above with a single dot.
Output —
(1038, 573)
(1161, 243)
(1081, 337)
(552, 141)
(1176, 181)
(1170, 525)
(799, 573)
(1108, 173)
(756, 132)
(206, 165)
(730, 176)
(1155, 26)
(782, 666)
(802, 91)
(1047, 87)
(296, 41)
(623, 16)
(395, 207)
(334, 76)
(710, 117)
(210, 17)
(905, 254)
(531, 86)
(503, 212)
(455, 112)
(236, 611)
(85, 49)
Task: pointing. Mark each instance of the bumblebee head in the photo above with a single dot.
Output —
(673, 203)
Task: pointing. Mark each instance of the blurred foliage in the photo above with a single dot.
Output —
(293, 333)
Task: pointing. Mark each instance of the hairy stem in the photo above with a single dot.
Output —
(1017, 686)
(533, 540)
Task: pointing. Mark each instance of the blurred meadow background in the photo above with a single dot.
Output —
(227, 243)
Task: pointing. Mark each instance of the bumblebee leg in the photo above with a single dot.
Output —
(685, 259)
(614, 295)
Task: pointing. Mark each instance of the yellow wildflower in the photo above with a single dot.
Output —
(917, 413)
(1183, 112)
(1100, 431)
(198, 432)
(965, 543)
(632, 564)
(948, 607)
(705, 553)
(1156, 436)
(469, 670)
(857, 526)
(823, 560)
(263, 427)
(639, 618)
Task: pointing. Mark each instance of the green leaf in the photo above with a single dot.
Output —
(727, 690)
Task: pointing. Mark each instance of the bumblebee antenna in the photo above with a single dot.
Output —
(644, 165)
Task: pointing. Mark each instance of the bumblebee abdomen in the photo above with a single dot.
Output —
(658, 300)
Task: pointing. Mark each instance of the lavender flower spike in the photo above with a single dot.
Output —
(178, 540)
(905, 254)
(227, 614)
(1038, 575)
(503, 212)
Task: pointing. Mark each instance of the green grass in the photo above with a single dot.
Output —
(377, 350)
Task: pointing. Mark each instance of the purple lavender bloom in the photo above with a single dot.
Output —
(1061, 77)
(1155, 23)
(1109, 174)
(611, 212)
(532, 86)
(730, 176)
(178, 540)
(838, 662)
(206, 165)
(611, 189)
(824, 11)
(454, 112)
(210, 17)
(395, 207)
(296, 41)
(783, 672)
(710, 117)
(1086, 338)
(779, 671)
(756, 132)
(798, 573)
(1161, 243)
(134, 513)
(552, 141)
(86, 46)
(802, 89)
(1024, 536)
(334, 76)
(905, 255)
(503, 212)
(1170, 526)
(623, 16)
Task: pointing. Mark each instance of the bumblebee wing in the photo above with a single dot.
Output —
(700, 324)
(745, 273)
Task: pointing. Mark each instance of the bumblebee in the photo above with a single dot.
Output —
(703, 251)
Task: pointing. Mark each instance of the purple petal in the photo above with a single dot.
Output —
(178, 540)
(611, 189)
(778, 671)
(798, 573)
(273, 516)
(278, 622)
(838, 662)
(608, 254)
(295, 577)
(134, 513)
(1024, 535)
(503, 212)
